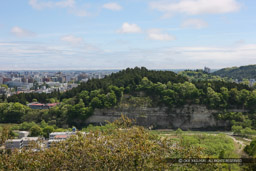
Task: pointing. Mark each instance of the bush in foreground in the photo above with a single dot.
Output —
(119, 147)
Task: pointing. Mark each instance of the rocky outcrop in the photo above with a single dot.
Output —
(187, 117)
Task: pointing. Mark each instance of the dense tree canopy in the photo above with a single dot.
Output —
(162, 87)
(241, 73)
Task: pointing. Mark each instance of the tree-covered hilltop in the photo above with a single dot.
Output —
(128, 78)
(201, 75)
(162, 88)
(240, 73)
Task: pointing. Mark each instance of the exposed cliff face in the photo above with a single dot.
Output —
(187, 117)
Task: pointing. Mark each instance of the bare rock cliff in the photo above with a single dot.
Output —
(187, 117)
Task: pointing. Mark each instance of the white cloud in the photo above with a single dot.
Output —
(79, 12)
(72, 39)
(112, 6)
(129, 28)
(156, 34)
(70, 5)
(196, 7)
(26, 55)
(22, 55)
(17, 31)
(65, 3)
(38, 4)
(194, 23)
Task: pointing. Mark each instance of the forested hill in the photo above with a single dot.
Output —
(128, 79)
(243, 72)
(162, 88)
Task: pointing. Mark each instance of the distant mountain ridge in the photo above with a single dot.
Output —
(242, 72)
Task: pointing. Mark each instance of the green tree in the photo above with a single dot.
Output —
(237, 130)
(233, 96)
(179, 132)
(84, 95)
(14, 112)
(4, 85)
(96, 103)
(47, 130)
(251, 148)
(213, 98)
(34, 100)
(35, 131)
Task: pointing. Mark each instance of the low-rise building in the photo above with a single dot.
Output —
(28, 141)
(36, 105)
(56, 137)
(60, 135)
(14, 143)
(23, 134)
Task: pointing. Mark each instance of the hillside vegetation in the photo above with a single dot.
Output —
(240, 73)
(164, 88)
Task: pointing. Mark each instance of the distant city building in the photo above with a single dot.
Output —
(61, 79)
(252, 82)
(55, 79)
(68, 78)
(82, 76)
(15, 84)
(53, 84)
(84, 80)
(46, 80)
(5, 80)
(70, 86)
(207, 70)
(16, 79)
(32, 81)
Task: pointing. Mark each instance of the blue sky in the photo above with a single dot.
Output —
(157, 34)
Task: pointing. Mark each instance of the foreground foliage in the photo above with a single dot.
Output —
(251, 148)
(123, 146)
(119, 147)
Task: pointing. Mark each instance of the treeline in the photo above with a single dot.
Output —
(216, 95)
(240, 73)
(238, 118)
(128, 78)
(71, 112)
(163, 87)
(25, 98)
(200, 75)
